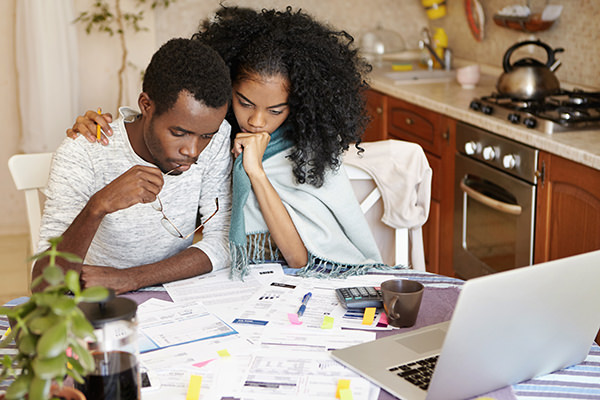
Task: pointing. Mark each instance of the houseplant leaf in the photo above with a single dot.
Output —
(27, 344)
(94, 294)
(42, 324)
(39, 389)
(50, 368)
(72, 282)
(18, 389)
(53, 275)
(53, 342)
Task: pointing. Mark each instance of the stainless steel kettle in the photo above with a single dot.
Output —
(528, 78)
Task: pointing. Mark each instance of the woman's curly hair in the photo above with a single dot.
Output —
(325, 73)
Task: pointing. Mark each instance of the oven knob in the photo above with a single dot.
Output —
(509, 161)
(470, 148)
(475, 105)
(487, 109)
(514, 118)
(488, 153)
(530, 122)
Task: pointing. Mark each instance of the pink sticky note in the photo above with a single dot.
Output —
(294, 319)
(203, 363)
(383, 318)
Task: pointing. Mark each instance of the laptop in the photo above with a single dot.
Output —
(506, 328)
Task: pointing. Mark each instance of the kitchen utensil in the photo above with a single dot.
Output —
(528, 78)
(475, 18)
(374, 44)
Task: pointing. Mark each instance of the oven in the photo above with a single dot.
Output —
(495, 194)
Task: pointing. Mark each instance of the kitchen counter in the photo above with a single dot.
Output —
(450, 99)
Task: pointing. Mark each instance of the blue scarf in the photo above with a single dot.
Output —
(240, 190)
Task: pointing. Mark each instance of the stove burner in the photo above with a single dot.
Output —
(570, 114)
(562, 111)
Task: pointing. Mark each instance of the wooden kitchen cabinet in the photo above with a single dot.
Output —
(568, 209)
(393, 118)
(376, 105)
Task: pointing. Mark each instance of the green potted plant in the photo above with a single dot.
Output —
(49, 331)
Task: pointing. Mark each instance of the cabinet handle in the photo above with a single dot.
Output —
(446, 135)
(379, 110)
(409, 121)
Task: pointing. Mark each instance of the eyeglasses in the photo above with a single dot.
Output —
(170, 226)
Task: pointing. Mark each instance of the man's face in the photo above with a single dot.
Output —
(176, 138)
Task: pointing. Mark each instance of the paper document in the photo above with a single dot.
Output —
(177, 323)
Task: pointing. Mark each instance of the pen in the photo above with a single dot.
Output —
(98, 125)
(304, 302)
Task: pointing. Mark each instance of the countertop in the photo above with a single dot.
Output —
(449, 98)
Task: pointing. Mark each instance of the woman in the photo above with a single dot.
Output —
(297, 106)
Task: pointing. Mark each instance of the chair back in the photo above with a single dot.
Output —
(393, 244)
(30, 173)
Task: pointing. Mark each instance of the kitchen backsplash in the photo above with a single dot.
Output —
(576, 29)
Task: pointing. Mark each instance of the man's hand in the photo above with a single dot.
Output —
(111, 278)
(140, 184)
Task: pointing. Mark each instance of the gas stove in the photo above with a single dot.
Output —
(561, 112)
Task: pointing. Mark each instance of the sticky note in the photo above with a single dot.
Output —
(327, 322)
(293, 317)
(383, 319)
(193, 392)
(223, 353)
(368, 316)
(402, 67)
(342, 384)
(203, 363)
(346, 394)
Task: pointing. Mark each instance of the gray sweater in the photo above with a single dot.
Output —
(135, 236)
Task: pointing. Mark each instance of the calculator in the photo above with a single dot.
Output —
(359, 297)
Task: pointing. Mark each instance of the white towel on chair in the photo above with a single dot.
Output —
(403, 176)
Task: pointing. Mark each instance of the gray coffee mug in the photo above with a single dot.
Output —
(401, 301)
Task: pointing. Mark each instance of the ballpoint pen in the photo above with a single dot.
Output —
(304, 302)
(98, 126)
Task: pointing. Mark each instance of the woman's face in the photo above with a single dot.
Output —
(260, 103)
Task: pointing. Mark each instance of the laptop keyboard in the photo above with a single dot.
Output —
(418, 372)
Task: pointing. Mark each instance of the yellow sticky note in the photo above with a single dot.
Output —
(327, 322)
(193, 392)
(223, 353)
(346, 394)
(368, 316)
(342, 384)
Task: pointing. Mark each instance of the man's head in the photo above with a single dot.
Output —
(186, 92)
(184, 64)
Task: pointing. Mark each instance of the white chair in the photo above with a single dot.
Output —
(393, 243)
(392, 182)
(30, 173)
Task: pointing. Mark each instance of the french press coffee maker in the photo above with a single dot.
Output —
(115, 351)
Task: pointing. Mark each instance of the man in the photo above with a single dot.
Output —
(129, 209)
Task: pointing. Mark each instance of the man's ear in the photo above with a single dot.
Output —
(146, 104)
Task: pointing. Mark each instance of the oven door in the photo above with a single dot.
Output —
(493, 220)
